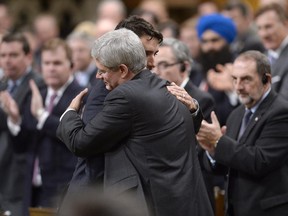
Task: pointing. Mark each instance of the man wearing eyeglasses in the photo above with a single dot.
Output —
(173, 63)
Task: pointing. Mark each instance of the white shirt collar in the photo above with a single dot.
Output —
(59, 92)
(276, 53)
(184, 83)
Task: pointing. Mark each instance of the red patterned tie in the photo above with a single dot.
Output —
(51, 102)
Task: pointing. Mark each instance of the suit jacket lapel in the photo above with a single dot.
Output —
(278, 68)
(263, 107)
(23, 89)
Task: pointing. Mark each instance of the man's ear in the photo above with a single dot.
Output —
(124, 71)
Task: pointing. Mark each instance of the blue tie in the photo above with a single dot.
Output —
(272, 59)
(245, 121)
(12, 88)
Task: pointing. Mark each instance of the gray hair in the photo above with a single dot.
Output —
(120, 46)
(262, 62)
(82, 36)
(179, 49)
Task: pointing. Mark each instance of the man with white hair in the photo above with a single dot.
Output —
(158, 138)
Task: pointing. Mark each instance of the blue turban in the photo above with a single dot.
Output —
(218, 23)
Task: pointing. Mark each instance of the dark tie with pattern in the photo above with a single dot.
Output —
(245, 121)
(51, 102)
(13, 88)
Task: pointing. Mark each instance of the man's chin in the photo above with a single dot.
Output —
(245, 100)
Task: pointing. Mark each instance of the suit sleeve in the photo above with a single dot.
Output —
(258, 156)
(103, 133)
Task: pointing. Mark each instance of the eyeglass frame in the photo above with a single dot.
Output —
(164, 65)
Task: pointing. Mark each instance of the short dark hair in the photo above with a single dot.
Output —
(140, 27)
(17, 37)
(281, 13)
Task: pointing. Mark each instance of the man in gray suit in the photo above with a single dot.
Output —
(271, 22)
(154, 129)
(15, 60)
(254, 149)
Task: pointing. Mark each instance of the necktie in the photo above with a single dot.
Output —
(245, 121)
(272, 59)
(13, 88)
(50, 106)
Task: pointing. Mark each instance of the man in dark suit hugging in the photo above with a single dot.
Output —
(155, 130)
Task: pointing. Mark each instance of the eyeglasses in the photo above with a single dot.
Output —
(164, 65)
(100, 72)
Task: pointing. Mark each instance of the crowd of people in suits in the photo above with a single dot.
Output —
(162, 112)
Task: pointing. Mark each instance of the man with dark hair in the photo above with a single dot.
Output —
(50, 165)
(15, 60)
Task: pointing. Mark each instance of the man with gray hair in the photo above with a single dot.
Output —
(83, 67)
(254, 149)
(173, 63)
(154, 129)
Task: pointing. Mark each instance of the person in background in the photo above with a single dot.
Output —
(45, 27)
(6, 19)
(247, 38)
(252, 149)
(206, 8)
(149, 16)
(83, 68)
(188, 34)
(216, 32)
(50, 164)
(173, 63)
(114, 10)
(158, 7)
(272, 27)
(169, 28)
(15, 60)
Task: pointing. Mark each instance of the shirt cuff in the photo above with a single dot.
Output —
(195, 113)
(14, 128)
(42, 120)
(68, 109)
(212, 160)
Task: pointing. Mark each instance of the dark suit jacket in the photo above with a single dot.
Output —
(55, 160)
(205, 100)
(207, 105)
(257, 178)
(142, 117)
(245, 42)
(280, 74)
(13, 164)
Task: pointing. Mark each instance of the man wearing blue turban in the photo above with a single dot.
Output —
(216, 32)
(219, 24)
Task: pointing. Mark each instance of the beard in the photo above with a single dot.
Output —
(212, 58)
